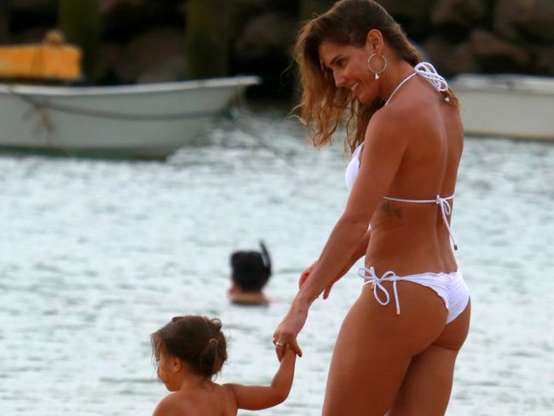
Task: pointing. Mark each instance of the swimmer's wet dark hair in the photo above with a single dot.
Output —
(251, 270)
(197, 340)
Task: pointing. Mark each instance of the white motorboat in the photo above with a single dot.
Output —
(511, 106)
(143, 121)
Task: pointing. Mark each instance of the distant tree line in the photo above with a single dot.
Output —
(130, 41)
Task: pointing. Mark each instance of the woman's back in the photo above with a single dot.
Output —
(412, 237)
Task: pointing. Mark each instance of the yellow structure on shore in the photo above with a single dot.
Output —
(53, 59)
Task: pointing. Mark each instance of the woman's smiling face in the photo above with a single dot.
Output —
(350, 70)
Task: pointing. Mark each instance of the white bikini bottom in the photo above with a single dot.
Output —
(451, 288)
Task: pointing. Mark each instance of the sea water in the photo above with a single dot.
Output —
(95, 255)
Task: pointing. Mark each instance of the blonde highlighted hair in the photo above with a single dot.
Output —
(323, 107)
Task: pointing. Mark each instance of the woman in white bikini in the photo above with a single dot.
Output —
(397, 346)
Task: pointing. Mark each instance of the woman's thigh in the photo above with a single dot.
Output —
(374, 349)
(431, 372)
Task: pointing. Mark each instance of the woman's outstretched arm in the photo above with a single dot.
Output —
(384, 147)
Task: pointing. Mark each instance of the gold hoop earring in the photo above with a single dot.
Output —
(378, 72)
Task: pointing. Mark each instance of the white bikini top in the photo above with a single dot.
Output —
(427, 71)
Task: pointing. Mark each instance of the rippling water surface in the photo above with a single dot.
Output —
(95, 255)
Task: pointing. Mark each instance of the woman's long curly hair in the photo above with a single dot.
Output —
(323, 107)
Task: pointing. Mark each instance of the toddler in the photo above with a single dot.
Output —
(189, 351)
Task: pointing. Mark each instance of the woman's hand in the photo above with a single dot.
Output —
(304, 276)
(285, 335)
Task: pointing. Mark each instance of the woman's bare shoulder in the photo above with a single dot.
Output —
(389, 126)
(410, 117)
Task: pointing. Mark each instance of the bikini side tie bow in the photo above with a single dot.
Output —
(370, 277)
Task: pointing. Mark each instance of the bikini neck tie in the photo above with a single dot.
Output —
(428, 71)
(370, 277)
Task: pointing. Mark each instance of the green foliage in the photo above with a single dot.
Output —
(81, 23)
(206, 38)
(309, 8)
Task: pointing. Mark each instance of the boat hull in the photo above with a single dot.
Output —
(145, 121)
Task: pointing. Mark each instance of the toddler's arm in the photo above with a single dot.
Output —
(262, 397)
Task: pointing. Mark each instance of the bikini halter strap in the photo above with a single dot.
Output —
(400, 85)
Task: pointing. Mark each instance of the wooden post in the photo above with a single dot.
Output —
(81, 25)
(206, 38)
(309, 8)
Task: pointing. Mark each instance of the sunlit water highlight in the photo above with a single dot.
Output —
(96, 255)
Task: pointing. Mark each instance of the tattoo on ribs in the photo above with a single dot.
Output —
(392, 211)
